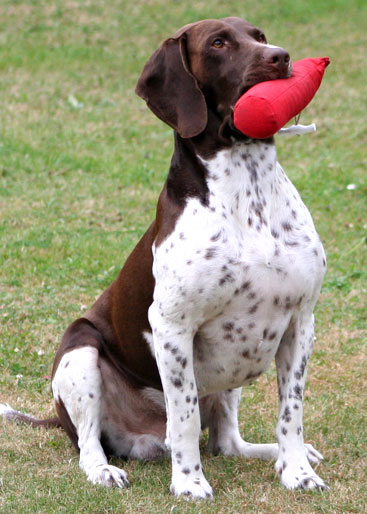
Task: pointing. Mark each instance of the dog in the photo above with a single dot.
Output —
(224, 280)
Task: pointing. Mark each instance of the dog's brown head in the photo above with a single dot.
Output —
(208, 65)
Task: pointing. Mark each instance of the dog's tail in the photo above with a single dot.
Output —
(13, 415)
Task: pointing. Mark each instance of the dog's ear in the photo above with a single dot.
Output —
(171, 91)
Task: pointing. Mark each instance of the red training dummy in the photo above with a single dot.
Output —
(268, 106)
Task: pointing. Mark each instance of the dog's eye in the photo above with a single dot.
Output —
(217, 43)
(261, 38)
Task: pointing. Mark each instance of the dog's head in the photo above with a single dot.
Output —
(208, 65)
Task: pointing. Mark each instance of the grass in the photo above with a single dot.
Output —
(82, 161)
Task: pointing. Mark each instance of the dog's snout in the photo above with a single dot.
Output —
(277, 58)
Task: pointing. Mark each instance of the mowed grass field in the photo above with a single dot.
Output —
(82, 161)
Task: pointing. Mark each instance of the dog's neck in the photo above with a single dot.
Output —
(241, 182)
(219, 133)
(237, 172)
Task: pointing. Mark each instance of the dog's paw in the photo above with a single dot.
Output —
(299, 476)
(313, 455)
(108, 476)
(194, 488)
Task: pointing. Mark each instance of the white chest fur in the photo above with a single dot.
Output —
(236, 271)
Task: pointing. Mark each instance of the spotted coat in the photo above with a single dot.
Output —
(224, 280)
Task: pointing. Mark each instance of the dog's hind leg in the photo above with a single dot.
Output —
(77, 389)
(219, 412)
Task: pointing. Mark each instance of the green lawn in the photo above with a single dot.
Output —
(82, 161)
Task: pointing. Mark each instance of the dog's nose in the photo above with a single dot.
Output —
(278, 58)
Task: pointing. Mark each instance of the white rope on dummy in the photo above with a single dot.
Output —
(297, 130)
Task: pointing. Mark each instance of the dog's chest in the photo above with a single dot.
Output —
(236, 271)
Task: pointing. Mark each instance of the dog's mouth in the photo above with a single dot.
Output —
(289, 70)
(284, 73)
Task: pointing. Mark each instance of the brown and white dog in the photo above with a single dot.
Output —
(225, 279)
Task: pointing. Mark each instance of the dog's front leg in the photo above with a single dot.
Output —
(173, 345)
(291, 361)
